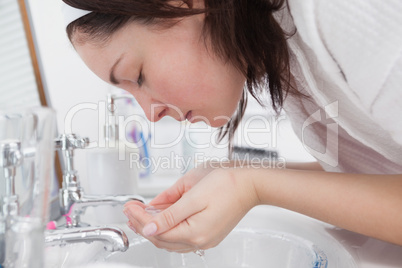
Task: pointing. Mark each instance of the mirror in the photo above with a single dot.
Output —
(21, 83)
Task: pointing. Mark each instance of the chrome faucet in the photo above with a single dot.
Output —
(73, 203)
(113, 238)
(10, 158)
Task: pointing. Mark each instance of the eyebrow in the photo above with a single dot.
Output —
(112, 77)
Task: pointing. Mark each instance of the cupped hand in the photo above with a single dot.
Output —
(201, 209)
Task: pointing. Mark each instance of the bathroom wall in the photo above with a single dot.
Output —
(68, 81)
(77, 95)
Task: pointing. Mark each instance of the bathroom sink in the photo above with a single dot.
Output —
(266, 237)
(242, 248)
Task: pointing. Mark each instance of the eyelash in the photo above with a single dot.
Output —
(140, 79)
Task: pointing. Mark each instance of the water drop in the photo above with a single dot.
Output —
(183, 262)
(200, 253)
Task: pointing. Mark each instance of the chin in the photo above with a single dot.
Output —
(215, 124)
(218, 123)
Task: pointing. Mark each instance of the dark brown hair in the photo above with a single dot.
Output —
(243, 32)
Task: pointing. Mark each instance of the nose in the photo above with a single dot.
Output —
(154, 110)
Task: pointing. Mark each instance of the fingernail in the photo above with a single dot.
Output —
(149, 229)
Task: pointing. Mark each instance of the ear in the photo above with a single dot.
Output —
(197, 4)
(188, 3)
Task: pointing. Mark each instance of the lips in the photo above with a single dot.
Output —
(162, 114)
(189, 116)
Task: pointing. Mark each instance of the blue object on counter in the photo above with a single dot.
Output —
(145, 154)
(138, 138)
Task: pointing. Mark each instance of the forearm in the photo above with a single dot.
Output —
(240, 164)
(367, 204)
(312, 166)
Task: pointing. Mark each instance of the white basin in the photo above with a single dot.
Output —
(242, 248)
(266, 237)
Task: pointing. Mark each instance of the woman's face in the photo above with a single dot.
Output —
(169, 71)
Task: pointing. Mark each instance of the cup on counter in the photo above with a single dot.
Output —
(26, 173)
(109, 175)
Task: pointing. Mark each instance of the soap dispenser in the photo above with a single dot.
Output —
(109, 169)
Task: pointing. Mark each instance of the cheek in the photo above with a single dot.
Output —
(190, 79)
(178, 79)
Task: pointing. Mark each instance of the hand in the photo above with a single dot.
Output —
(183, 185)
(200, 213)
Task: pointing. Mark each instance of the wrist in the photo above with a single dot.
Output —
(263, 183)
(243, 179)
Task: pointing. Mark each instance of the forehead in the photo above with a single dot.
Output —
(133, 40)
(97, 35)
(100, 31)
(99, 56)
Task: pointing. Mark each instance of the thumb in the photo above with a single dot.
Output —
(171, 217)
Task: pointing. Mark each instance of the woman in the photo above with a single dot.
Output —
(336, 73)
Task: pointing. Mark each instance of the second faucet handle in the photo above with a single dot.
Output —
(70, 142)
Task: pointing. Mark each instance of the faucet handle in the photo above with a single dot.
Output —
(11, 155)
(80, 142)
(67, 142)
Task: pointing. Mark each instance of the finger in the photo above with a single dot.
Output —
(135, 225)
(186, 232)
(182, 185)
(173, 215)
(187, 250)
(137, 221)
(137, 215)
(181, 232)
(170, 195)
(131, 226)
(177, 247)
(135, 202)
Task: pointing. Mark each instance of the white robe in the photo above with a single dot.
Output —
(347, 57)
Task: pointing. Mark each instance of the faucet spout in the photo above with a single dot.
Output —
(113, 238)
(98, 200)
(74, 204)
